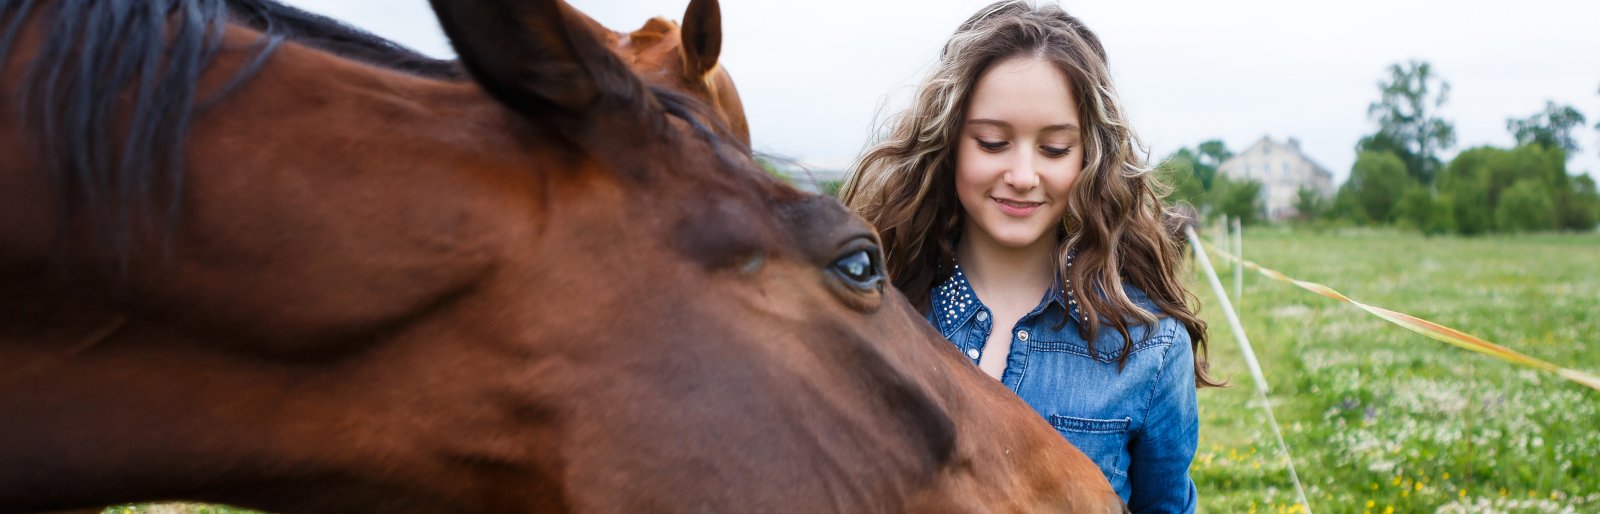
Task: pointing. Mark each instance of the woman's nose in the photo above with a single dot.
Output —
(1022, 176)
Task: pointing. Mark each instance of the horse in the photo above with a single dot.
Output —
(249, 256)
(658, 53)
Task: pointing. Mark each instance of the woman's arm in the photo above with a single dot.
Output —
(1164, 447)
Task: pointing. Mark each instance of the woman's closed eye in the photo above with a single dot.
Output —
(992, 146)
(1051, 151)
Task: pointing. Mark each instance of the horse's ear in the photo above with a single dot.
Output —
(702, 38)
(534, 56)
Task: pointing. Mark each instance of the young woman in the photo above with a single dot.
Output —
(1016, 213)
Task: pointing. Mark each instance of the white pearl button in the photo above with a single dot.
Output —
(1022, 335)
(983, 316)
(972, 354)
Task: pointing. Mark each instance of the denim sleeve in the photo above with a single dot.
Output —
(1162, 450)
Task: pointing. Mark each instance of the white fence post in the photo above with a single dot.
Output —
(1238, 263)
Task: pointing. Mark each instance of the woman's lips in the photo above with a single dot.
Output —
(1017, 209)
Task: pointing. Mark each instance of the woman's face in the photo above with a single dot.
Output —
(1018, 154)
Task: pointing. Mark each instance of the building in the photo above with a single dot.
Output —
(1283, 170)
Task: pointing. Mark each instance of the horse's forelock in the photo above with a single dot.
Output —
(703, 123)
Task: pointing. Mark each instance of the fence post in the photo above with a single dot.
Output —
(1238, 262)
(1250, 361)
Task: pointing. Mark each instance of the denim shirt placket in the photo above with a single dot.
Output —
(958, 309)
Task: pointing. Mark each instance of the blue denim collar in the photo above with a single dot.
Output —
(954, 302)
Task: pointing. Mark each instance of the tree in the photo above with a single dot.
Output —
(1177, 172)
(1409, 125)
(1237, 198)
(1308, 205)
(1377, 182)
(1465, 183)
(1192, 175)
(1210, 156)
(1551, 128)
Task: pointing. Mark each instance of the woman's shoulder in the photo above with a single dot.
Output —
(1109, 341)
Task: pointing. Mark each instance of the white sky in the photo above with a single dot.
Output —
(817, 76)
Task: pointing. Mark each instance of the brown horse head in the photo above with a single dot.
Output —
(251, 256)
(684, 58)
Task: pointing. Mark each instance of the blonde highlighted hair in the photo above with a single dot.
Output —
(905, 183)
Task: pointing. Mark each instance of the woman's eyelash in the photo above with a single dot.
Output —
(991, 146)
(1057, 152)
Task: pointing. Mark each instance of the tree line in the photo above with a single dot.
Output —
(1399, 179)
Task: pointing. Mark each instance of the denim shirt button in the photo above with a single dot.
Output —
(1022, 335)
(983, 315)
(972, 353)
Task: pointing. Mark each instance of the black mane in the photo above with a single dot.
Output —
(339, 38)
(150, 54)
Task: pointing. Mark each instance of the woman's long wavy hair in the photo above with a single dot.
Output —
(905, 184)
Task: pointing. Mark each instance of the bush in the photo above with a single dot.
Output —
(1578, 207)
(1526, 206)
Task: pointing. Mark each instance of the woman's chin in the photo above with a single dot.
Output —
(1018, 241)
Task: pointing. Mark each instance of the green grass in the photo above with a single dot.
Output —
(1378, 417)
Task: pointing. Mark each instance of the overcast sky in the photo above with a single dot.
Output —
(818, 76)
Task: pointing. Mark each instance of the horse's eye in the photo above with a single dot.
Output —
(859, 269)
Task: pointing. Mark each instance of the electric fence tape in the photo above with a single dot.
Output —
(1433, 330)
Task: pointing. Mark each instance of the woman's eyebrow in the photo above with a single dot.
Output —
(997, 123)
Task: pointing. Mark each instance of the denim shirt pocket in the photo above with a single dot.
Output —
(1105, 441)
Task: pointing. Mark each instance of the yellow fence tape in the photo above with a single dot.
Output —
(1428, 328)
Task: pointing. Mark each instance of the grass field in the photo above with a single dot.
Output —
(1379, 419)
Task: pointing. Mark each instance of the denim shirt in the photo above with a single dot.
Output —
(1140, 425)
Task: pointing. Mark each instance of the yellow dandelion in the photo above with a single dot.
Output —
(1370, 503)
(1418, 486)
(1446, 475)
(1463, 494)
(1374, 486)
(1388, 509)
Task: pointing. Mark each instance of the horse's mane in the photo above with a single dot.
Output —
(120, 165)
(339, 38)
